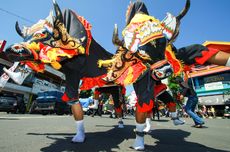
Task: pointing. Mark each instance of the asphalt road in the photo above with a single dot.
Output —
(37, 133)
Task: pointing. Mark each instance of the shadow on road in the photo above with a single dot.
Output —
(95, 141)
(174, 140)
(164, 140)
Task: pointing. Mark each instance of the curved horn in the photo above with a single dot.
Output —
(178, 18)
(57, 11)
(115, 39)
(184, 11)
(19, 31)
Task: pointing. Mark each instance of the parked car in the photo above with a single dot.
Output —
(49, 102)
(11, 103)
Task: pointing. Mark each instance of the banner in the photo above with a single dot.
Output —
(43, 85)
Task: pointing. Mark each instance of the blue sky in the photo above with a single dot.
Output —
(206, 19)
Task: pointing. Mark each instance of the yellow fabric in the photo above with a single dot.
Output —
(56, 65)
(138, 18)
(54, 53)
(144, 27)
(129, 77)
(105, 63)
(34, 46)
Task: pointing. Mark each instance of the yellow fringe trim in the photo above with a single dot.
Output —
(172, 54)
(81, 50)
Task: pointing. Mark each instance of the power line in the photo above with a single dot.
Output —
(13, 14)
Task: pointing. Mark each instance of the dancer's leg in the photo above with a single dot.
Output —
(117, 106)
(78, 115)
(189, 108)
(140, 125)
(144, 91)
(119, 114)
(169, 101)
(220, 58)
(199, 54)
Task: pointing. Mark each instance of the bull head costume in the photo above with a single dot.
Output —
(48, 41)
(141, 33)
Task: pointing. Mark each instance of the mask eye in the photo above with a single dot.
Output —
(37, 35)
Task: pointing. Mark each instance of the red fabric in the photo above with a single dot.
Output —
(65, 98)
(35, 54)
(138, 69)
(123, 91)
(159, 88)
(149, 112)
(118, 110)
(2, 45)
(225, 47)
(188, 67)
(145, 107)
(206, 54)
(89, 83)
(45, 48)
(171, 104)
(70, 52)
(175, 63)
(38, 67)
(96, 92)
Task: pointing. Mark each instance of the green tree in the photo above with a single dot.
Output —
(174, 87)
(86, 93)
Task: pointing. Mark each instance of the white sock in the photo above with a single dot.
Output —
(80, 135)
(139, 141)
(147, 121)
(80, 126)
(228, 63)
(148, 125)
(140, 127)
